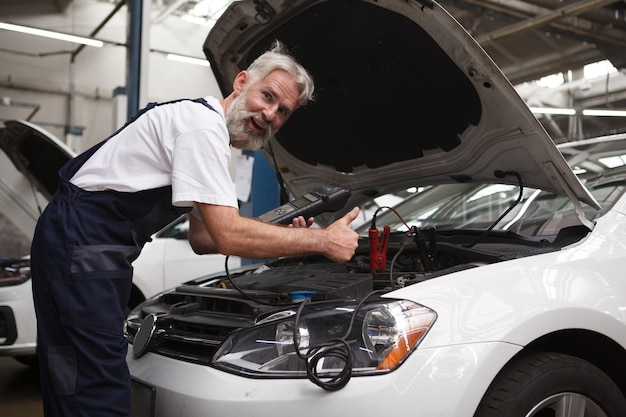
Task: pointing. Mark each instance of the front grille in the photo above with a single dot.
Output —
(194, 321)
(205, 302)
(186, 352)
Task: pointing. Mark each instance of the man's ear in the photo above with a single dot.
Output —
(240, 82)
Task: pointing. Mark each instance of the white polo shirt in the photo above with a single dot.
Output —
(183, 144)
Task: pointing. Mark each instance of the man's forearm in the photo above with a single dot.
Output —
(251, 238)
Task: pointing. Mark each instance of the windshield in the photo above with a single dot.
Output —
(478, 206)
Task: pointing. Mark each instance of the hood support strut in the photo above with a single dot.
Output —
(576, 202)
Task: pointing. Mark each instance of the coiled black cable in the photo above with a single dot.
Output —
(337, 348)
(334, 348)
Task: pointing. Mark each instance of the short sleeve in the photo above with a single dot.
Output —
(201, 165)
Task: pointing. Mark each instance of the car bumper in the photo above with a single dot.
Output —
(18, 325)
(446, 381)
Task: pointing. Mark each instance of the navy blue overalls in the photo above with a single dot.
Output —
(81, 257)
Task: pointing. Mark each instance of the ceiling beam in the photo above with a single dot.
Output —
(22, 7)
(543, 19)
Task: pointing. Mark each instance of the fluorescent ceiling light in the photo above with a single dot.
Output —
(51, 34)
(614, 113)
(571, 112)
(552, 110)
(188, 60)
(613, 161)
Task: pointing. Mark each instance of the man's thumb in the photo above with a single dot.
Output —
(351, 215)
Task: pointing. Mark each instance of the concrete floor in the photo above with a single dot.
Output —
(19, 390)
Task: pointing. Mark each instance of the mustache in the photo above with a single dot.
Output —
(242, 137)
(259, 120)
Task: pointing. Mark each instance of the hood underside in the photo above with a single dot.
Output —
(404, 96)
(30, 161)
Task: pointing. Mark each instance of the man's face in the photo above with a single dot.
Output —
(260, 109)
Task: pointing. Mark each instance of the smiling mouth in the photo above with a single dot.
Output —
(260, 127)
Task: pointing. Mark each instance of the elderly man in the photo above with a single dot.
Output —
(172, 158)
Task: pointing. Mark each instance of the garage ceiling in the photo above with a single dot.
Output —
(532, 38)
(527, 39)
(33, 7)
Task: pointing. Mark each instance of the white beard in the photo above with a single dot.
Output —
(240, 136)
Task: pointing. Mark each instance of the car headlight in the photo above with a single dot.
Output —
(370, 338)
(14, 274)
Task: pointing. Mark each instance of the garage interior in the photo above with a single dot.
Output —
(529, 40)
(566, 58)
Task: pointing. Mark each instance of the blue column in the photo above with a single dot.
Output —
(133, 54)
(264, 194)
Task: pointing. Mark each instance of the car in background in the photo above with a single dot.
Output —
(495, 291)
(168, 260)
(29, 163)
(16, 301)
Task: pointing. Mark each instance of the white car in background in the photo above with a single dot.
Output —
(496, 291)
(29, 163)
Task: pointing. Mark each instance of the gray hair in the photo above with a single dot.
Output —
(277, 58)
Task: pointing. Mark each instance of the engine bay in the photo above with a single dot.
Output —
(408, 258)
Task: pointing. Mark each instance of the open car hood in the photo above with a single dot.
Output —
(404, 96)
(29, 162)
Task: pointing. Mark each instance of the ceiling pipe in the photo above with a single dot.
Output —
(117, 7)
(543, 19)
(169, 10)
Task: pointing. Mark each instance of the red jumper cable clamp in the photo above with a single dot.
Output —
(378, 249)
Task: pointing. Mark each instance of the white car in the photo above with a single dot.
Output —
(29, 163)
(168, 261)
(495, 291)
